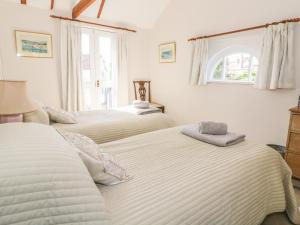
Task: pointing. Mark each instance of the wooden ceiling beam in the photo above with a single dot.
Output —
(101, 8)
(23, 2)
(80, 7)
(52, 4)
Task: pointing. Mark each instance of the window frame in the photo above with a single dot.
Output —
(216, 59)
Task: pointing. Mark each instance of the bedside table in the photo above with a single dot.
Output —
(292, 154)
(159, 106)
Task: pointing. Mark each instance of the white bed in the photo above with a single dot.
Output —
(176, 181)
(110, 125)
(182, 181)
(43, 181)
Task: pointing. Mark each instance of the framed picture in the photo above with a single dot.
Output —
(31, 44)
(167, 53)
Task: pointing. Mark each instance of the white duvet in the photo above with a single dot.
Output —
(181, 181)
(43, 181)
(110, 125)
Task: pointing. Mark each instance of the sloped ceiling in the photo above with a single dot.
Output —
(139, 13)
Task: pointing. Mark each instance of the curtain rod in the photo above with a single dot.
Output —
(294, 20)
(92, 23)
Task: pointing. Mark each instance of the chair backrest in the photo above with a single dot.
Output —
(142, 90)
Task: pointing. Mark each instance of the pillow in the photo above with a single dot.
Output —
(60, 116)
(103, 167)
(38, 116)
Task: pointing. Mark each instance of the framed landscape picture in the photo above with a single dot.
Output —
(31, 44)
(167, 53)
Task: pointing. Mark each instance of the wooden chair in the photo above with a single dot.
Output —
(142, 90)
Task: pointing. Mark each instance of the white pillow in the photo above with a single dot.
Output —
(103, 167)
(38, 116)
(60, 116)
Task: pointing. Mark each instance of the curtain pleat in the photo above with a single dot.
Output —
(71, 79)
(276, 69)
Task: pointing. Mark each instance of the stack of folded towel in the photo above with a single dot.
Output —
(213, 133)
(141, 104)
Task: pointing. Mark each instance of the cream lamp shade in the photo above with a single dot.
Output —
(14, 98)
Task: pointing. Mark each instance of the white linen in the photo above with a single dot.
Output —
(43, 181)
(110, 125)
(71, 81)
(199, 62)
(139, 104)
(276, 69)
(103, 167)
(139, 110)
(179, 180)
(38, 116)
(123, 82)
(60, 116)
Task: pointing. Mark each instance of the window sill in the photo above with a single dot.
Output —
(230, 82)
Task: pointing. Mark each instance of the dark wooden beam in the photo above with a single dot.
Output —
(23, 2)
(101, 8)
(52, 4)
(80, 7)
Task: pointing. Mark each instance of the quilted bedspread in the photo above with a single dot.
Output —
(181, 181)
(43, 181)
(111, 125)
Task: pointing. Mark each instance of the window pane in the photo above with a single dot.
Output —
(254, 70)
(85, 44)
(105, 50)
(237, 67)
(218, 71)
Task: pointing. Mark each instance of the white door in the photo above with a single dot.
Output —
(99, 69)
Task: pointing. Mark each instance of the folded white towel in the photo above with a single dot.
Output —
(208, 127)
(218, 140)
(141, 104)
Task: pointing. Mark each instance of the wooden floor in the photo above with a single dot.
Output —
(281, 218)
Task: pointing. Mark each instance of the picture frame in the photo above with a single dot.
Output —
(32, 44)
(167, 52)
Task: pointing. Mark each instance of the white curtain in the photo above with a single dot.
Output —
(199, 62)
(276, 68)
(71, 85)
(123, 82)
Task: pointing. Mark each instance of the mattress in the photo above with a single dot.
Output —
(181, 181)
(110, 125)
(43, 181)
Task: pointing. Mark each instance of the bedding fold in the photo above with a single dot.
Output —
(209, 127)
(181, 181)
(111, 125)
(218, 140)
(43, 181)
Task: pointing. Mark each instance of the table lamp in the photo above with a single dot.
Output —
(14, 101)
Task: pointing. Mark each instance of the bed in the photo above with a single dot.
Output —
(43, 181)
(110, 125)
(178, 180)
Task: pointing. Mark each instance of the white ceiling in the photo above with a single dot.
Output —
(139, 13)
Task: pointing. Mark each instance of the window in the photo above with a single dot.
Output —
(234, 67)
(99, 69)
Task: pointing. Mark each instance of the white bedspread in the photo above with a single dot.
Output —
(43, 181)
(110, 125)
(182, 181)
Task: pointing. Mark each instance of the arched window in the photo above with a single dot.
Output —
(234, 65)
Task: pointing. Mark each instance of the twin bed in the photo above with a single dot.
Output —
(110, 125)
(176, 180)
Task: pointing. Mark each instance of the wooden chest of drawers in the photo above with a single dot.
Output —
(292, 155)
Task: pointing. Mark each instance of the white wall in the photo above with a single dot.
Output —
(262, 115)
(43, 74)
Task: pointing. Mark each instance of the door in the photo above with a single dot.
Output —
(99, 69)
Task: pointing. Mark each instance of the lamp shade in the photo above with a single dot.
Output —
(14, 98)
